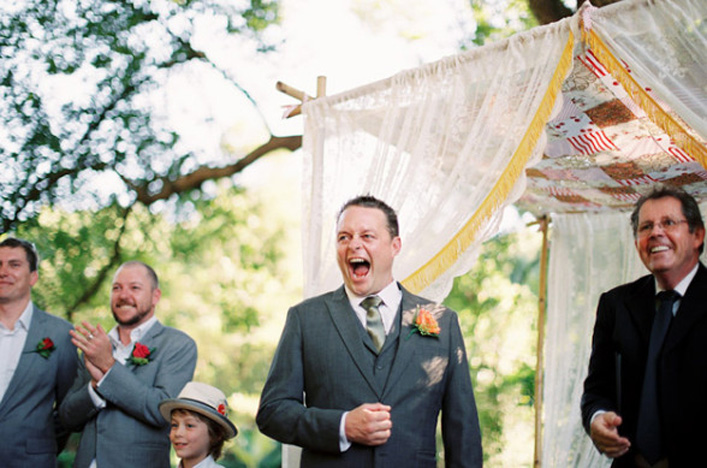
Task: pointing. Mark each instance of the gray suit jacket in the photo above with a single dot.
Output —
(30, 434)
(325, 357)
(130, 431)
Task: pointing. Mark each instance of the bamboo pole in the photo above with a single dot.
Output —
(301, 95)
(321, 86)
(540, 354)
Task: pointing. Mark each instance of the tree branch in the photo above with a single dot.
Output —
(114, 260)
(196, 178)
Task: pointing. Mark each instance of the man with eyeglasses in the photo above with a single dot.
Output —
(37, 364)
(645, 396)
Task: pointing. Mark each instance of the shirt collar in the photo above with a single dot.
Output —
(391, 296)
(26, 317)
(682, 286)
(135, 334)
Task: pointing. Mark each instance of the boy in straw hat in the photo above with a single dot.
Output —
(199, 424)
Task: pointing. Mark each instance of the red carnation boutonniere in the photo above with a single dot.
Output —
(424, 323)
(140, 354)
(45, 347)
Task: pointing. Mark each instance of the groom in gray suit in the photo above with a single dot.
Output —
(37, 364)
(362, 373)
(125, 374)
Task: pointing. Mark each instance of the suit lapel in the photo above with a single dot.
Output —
(348, 327)
(148, 339)
(406, 343)
(37, 331)
(641, 306)
(693, 308)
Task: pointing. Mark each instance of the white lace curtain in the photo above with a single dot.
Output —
(589, 254)
(440, 144)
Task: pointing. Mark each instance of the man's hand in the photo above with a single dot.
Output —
(93, 371)
(605, 435)
(96, 347)
(369, 424)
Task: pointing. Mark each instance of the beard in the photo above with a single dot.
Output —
(140, 314)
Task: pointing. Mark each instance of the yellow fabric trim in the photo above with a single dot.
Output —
(657, 114)
(450, 253)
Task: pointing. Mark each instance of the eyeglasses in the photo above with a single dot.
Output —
(667, 225)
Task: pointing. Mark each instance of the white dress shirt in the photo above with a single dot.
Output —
(207, 462)
(391, 297)
(12, 342)
(680, 288)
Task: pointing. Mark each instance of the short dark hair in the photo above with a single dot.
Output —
(369, 201)
(690, 208)
(150, 271)
(30, 250)
(217, 433)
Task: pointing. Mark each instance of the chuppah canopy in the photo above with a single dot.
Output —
(577, 118)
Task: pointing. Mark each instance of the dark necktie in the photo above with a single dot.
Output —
(374, 324)
(648, 431)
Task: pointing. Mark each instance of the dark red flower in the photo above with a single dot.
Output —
(141, 351)
(44, 347)
(46, 344)
(140, 355)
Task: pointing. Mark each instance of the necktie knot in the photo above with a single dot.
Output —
(668, 296)
(371, 303)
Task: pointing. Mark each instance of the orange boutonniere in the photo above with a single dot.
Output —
(45, 347)
(140, 354)
(424, 323)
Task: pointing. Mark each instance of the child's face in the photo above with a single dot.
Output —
(189, 436)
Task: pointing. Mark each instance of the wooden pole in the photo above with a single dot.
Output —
(321, 86)
(539, 366)
(301, 95)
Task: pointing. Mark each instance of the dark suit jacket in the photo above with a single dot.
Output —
(617, 365)
(130, 431)
(325, 356)
(30, 433)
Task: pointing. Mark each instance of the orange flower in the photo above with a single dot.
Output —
(425, 323)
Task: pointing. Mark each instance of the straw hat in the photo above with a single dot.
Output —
(203, 399)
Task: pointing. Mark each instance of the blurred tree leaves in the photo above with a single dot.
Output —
(84, 95)
(497, 302)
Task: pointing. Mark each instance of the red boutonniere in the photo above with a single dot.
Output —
(140, 354)
(45, 347)
(424, 323)
(222, 410)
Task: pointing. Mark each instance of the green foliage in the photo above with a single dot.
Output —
(80, 83)
(497, 304)
(497, 20)
(220, 265)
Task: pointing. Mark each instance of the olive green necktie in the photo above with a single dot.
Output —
(374, 324)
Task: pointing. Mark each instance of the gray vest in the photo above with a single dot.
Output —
(383, 361)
